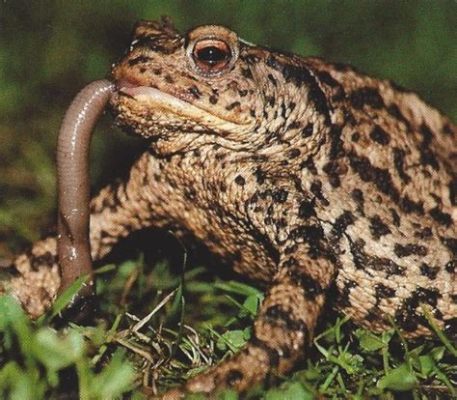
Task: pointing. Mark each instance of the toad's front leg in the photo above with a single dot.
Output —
(119, 209)
(282, 330)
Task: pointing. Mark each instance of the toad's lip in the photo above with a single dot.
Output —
(159, 100)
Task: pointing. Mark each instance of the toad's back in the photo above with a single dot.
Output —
(391, 166)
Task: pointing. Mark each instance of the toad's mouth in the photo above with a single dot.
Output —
(161, 102)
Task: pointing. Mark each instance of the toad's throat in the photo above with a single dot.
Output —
(158, 100)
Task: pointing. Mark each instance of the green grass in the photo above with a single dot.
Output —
(150, 334)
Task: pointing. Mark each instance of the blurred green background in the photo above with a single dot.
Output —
(51, 49)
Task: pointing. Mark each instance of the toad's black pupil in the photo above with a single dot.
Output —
(212, 55)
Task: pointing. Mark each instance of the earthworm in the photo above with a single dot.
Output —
(73, 245)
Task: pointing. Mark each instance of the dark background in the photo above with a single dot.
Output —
(51, 49)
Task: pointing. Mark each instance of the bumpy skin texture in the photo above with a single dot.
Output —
(307, 176)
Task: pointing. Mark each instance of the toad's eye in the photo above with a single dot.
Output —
(211, 55)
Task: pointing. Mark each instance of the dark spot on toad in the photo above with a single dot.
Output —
(344, 293)
(233, 105)
(383, 291)
(427, 155)
(246, 72)
(366, 97)
(277, 316)
(380, 136)
(239, 180)
(357, 196)
(399, 156)
(378, 228)
(307, 130)
(306, 209)
(341, 223)
(380, 177)
(409, 249)
(138, 60)
(233, 377)
(294, 153)
(440, 216)
(213, 98)
(280, 196)
(428, 271)
(355, 136)
(194, 91)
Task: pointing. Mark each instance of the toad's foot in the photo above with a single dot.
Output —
(282, 330)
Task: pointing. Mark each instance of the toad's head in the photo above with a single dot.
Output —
(207, 86)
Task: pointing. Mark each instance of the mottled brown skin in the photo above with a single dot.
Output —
(305, 175)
